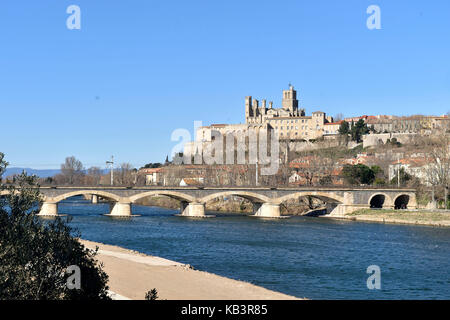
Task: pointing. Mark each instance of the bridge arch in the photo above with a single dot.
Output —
(100, 193)
(379, 200)
(172, 194)
(317, 194)
(401, 201)
(253, 197)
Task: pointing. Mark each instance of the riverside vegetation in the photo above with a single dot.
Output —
(35, 255)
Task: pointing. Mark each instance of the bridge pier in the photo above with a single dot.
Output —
(343, 209)
(120, 209)
(94, 199)
(49, 209)
(266, 210)
(191, 209)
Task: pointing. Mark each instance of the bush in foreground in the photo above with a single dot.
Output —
(34, 256)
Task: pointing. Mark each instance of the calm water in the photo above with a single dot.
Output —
(306, 257)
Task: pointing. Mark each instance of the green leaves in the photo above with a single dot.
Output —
(34, 254)
(358, 174)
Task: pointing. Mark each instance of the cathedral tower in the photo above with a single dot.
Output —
(290, 101)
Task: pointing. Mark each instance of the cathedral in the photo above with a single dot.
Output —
(288, 122)
(254, 113)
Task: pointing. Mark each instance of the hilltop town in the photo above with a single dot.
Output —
(309, 150)
(321, 150)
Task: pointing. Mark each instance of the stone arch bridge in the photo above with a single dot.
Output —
(266, 201)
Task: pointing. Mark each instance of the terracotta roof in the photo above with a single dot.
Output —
(219, 125)
(151, 170)
(331, 123)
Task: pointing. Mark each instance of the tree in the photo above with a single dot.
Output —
(326, 180)
(152, 295)
(338, 117)
(154, 165)
(438, 169)
(404, 178)
(359, 129)
(36, 256)
(3, 165)
(125, 174)
(344, 128)
(94, 174)
(71, 169)
(358, 174)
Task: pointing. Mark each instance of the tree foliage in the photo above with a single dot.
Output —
(344, 128)
(152, 295)
(71, 169)
(358, 129)
(155, 164)
(404, 177)
(358, 174)
(35, 254)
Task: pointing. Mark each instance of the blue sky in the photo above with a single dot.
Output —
(137, 70)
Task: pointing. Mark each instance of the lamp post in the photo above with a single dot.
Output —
(112, 169)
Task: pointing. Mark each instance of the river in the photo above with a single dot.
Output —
(317, 258)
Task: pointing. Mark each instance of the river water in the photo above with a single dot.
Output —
(317, 258)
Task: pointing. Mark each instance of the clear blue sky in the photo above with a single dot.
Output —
(139, 69)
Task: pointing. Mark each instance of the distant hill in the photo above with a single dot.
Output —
(43, 173)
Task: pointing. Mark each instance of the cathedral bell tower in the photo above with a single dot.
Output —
(290, 101)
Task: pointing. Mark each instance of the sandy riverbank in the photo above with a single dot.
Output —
(424, 218)
(132, 274)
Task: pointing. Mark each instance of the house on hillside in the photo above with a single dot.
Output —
(191, 182)
(416, 167)
(153, 176)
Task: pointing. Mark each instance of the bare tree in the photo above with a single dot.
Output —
(438, 170)
(71, 170)
(93, 176)
(338, 117)
(125, 174)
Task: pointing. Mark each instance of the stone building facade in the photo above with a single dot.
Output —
(288, 122)
(291, 123)
(413, 124)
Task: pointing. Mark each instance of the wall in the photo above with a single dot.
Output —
(370, 140)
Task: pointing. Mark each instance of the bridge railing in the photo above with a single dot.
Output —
(215, 187)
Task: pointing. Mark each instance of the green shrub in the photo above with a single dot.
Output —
(35, 255)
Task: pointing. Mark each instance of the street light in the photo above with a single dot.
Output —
(112, 169)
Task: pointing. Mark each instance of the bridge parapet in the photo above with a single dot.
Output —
(266, 200)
